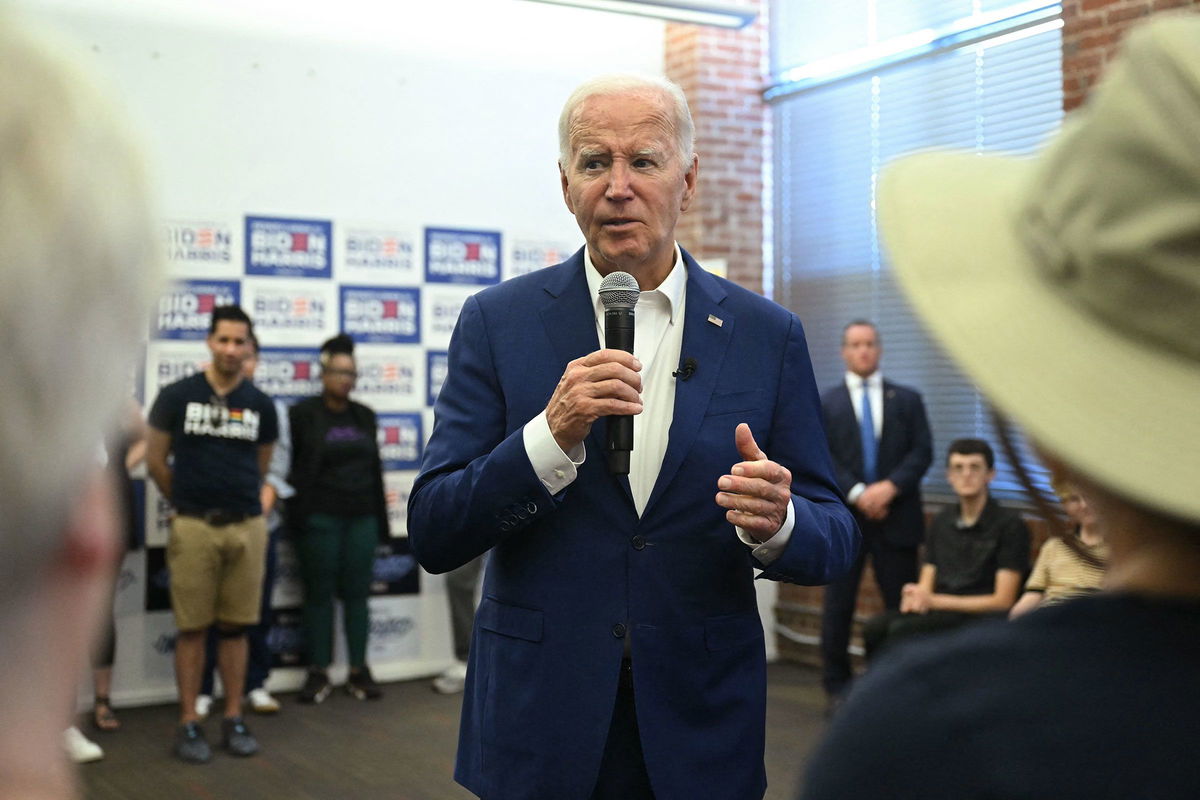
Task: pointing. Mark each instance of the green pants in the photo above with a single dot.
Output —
(337, 554)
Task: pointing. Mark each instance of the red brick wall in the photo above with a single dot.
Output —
(1092, 31)
(722, 74)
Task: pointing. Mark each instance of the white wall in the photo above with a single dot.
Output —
(435, 112)
(403, 114)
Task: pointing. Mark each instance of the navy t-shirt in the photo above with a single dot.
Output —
(215, 441)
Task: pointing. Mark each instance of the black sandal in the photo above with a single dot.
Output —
(103, 717)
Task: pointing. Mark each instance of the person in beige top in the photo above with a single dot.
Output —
(1066, 569)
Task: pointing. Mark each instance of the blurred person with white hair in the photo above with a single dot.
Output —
(1068, 287)
(77, 255)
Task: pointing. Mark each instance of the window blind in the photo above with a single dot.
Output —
(831, 139)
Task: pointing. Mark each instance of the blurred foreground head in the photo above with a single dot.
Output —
(1068, 285)
(77, 272)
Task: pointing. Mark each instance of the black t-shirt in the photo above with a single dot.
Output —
(345, 479)
(1097, 697)
(967, 557)
(215, 442)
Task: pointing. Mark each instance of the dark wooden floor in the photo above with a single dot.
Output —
(400, 748)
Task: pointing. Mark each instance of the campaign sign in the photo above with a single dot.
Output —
(529, 255)
(400, 441)
(297, 248)
(442, 306)
(394, 632)
(395, 570)
(437, 364)
(288, 590)
(158, 656)
(167, 362)
(288, 373)
(285, 637)
(389, 377)
(158, 580)
(199, 246)
(381, 315)
(370, 254)
(396, 487)
(129, 593)
(185, 311)
(157, 516)
(460, 256)
(290, 312)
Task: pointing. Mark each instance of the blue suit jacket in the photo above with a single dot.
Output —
(570, 576)
(905, 450)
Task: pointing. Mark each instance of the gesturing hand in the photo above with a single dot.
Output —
(757, 490)
(600, 384)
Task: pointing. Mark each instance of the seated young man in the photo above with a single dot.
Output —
(976, 555)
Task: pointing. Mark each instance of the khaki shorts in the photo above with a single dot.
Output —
(216, 572)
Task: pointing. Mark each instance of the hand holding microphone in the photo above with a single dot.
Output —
(605, 383)
(619, 292)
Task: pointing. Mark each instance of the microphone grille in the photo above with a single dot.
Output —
(619, 290)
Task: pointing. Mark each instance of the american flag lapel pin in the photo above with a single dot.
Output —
(715, 320)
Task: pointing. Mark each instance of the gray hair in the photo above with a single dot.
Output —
(685, 129)
(79, 268)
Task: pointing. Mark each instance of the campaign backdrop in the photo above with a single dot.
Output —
(397, 289)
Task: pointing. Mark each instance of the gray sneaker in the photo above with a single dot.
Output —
(236, 737)
(190, 744)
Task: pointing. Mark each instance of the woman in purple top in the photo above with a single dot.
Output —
(338, 516)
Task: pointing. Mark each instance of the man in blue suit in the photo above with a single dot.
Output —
(617, 651)
(879, 439)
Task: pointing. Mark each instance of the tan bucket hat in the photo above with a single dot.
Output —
(1068, 285)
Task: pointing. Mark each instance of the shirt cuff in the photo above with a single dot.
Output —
(855, 492)
(555, 469)
(283, 489)
(770, 550)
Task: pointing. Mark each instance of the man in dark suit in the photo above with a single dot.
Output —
(880, 443)
(618, 651)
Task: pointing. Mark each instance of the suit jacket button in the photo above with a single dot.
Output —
(619, 630)
(638, 542)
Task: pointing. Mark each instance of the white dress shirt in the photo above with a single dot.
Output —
(854, 384)
(657, 342)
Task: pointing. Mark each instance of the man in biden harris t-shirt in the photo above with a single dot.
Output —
(221, 431)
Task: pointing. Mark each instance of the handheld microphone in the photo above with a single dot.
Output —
(619, 292)
(687, 370)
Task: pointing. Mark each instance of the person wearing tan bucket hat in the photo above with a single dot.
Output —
(1068, 288)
